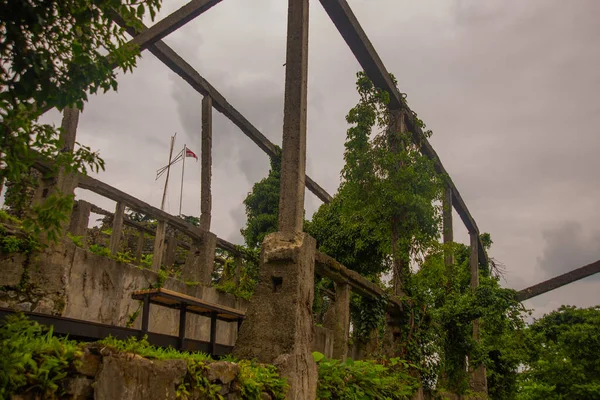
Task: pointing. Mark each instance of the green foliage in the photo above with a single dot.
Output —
(240, 283)
(99, 250)
(386, 379)
(32, 359)
(562, 356)
(262, 207)
(258, 378)
(388, 181)
(6, 218)
(350, 239)
(146, 260)
(368, 316)
(53, 53)
(16, 241)
(77, 240)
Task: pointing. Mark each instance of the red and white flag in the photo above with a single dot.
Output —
(189, 153)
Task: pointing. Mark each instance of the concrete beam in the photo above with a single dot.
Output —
(104, 189)
(344, 19)
(559, 281)
(178, 65)
(174, 21)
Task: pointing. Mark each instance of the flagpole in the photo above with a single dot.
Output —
(162, 204)
(182, 172)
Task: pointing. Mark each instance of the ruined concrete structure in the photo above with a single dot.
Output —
(279, 327)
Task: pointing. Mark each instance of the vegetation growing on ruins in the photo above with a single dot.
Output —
(384, 379)
(54, 54)
(33, 360)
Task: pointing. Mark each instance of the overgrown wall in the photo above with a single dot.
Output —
(72, 282)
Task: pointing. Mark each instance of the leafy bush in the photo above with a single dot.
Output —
(387, 379)
(32, 359)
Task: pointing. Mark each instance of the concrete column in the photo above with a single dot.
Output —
(170, 251)
(63, 182)
(206, 157)
(80, 218)
(200, 262)
(478, 374)
(117, 228)
(337, 318)
(140, 246)
(237, 265)
(159, 245)
(279, 328)
(293, 161)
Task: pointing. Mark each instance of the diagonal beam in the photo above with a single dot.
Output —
(173, 22)
(344, 19)
(182, 68)
(558, 281)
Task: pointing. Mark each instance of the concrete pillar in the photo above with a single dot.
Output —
(237, 266)
(279, 328)
(80, 218)
(159, 245)
(337, 318)
(293, 161)
(400, 256)
(170, 250)
(63, 182)
(206, 159)
(117, 228)
(478, 374)
(200, 262)
(140, 246)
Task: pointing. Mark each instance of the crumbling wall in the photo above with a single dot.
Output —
(72, 282)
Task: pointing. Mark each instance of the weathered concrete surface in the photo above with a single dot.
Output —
(73, 282)
(206, 172)
(337, 318)
(293, 158)
(80, 218)
(323, 341)
(200, 263)
(279, 327)
(131, 377)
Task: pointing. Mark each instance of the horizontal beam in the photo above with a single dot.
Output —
(344, 19)
(182, 68)
(328, 267)
(172, 22)
(558, 281)
(103, 189)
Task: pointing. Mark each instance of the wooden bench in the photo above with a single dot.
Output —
(186, 304)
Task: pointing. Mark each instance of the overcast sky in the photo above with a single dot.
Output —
(509, 88)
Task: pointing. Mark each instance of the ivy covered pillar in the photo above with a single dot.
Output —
(279, 328)
(478, 372)
(448, 231)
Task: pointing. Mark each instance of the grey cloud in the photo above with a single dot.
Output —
(567, 247)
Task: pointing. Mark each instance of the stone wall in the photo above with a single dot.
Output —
(108, 375)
